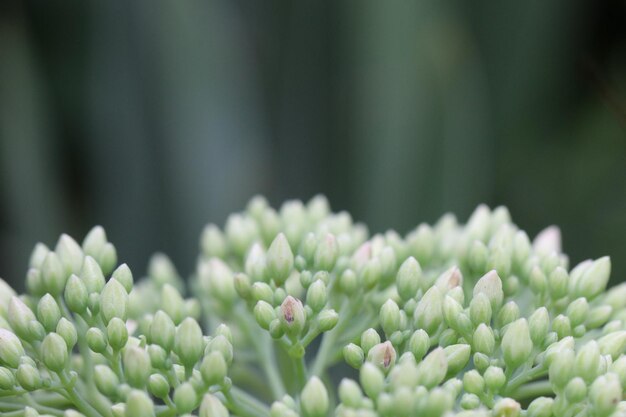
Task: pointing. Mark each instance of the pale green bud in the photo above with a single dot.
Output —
(255, 265)
(516, 343)
(188, 343)
(172, 303)
(242, 285)
(158, 386)
(212, 242)
(576, 390)
(224, 330)
(221, 344)
(107, 258)
(541, 407)
(389, 317)
(388, 264)
(490, 285)
(314, 398)
(113, 301)
(7, 380)
(76, 294)
(507, 407)
(469, 402)
(124, 276)
(48, 312)
(19, 317)
(350, 393)
(96, 340)
(537, 280)
(292, 316)
(619, 368)
(54, 274)
(477, 256)
(221, 281)
(587, 361)
(558, 282)
(353, 355)
(457, 356)
(106, 380)
(577, 311)
(264, 314)
(327, 319)
(484, 339)
(372, 379)
(118, 410)
(561, 368)
(139, 404)
(316, 295)
(494, 378)
(348, 281)
(137, 366)
(11, 348)
(598, 316)
(408, 278)
(382, 355)
(162, 271)
(262, 291)
(428, 314)
(326, 253)
(594, 280)
(38, 256)
(54, 352)
(92, 275)
(371, 273)
(158, 356)
(480, 309)
(162, 330)
(369, 338)
(28, 377)
(67, 331)
(473, 382)
(185, 398)
(34, 285)
(557, 348)
(450, 279)
(70, 254)
(562, 326)
(419, 343)
(279, 259)
(455, 317)
(433, 368)
(212, 407)
(117, 333)
(508, 314)
(613, 344)
(213, 368)
(538, 324)
(94, 241)
(604, 394)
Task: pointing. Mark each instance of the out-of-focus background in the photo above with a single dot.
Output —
(155, 117)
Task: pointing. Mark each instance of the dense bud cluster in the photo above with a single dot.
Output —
(299, 312)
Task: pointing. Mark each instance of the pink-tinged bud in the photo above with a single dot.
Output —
(292, 315)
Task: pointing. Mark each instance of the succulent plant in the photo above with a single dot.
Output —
(299, 312)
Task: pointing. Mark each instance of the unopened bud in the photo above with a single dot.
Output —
(408, 278)
(11, 348)
(19, 317)
(212, 242)
(28, 377)
(484, 339)
(292, 315)
(124, 276)
(7, 380)
(613, 344)
(92, 275)
(213, 368)
(316, 295)
(480, 309)
(473, 382)
(113, 301)
(188, 342)
(67, 331)
(507, 407)
(54, 274)
(350, 393)
(516, 343)
(326, 253)
(185, 398)
(139, 403)
(314, 398)
(490, 285)
(264, 314)
(494, 378)
(158, 386)
(96, 340)
(372, 379)
(327, 319)
(279, 259)
(48, 312)
(117, 333)
(595, 278)
(457, 356)
(389, 317)
(212, 407)
(538, 324)
(508, 314)
(428, 314)
(369, 338)
(136, 366)
(604, 394)
(419, 343)
(162, 330)
(54, 352)
(576, 390)
(433, 368)
(106, 380)
(353, 355)
(76, 294)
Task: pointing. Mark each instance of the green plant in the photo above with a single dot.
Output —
(451, 320)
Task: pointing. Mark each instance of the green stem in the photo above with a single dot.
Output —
(76, 398)
(244, 405)
(19, 406)
(534, 389)
(524, 377)
(300, 368)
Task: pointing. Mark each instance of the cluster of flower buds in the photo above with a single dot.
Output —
(453, 319)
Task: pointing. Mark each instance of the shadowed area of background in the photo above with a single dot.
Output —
(155, 117)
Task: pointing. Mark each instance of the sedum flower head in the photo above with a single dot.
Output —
(452, 319)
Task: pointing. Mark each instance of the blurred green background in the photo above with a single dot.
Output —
(155, 117)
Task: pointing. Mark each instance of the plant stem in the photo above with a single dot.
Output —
(75, 397)
(244, 405)
(534, 389)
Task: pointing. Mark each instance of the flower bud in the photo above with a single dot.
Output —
(212, 407)
(70, 254)
(477, 256)
(11, 348)
(94, 241)
(516, 343)
(53, 274)
(279, 259)
(433, 368)
(560, 370)
(594, 280)
(507, 407)
(212, 242)
(67, 331)
(558, 282)
(292, 316)
(408, 278)
(76, 294)
(188, 342)
(494, 378)
(561, 326)
(326, 253)
(92, 275)
(48, 312)
(162, 330)
(158, 386)
(138, 404)
(172, 303)
(117, 333)
(419, 343)
(327, 319)
(428, 314)
(508, 314)
(124, 276)
(19, 317)
(162, 271)
(473, 382)
(372, 379)
(264, 314)
(353, 355)
(348, 281)
(350, 393)
(604, 394)
(314, 398)
(7, 380)
(369, 338)
(221, 281)
(598, 316)
(185, 398)
(371, 273)
(382, 355)
(484, 339)
(242, 285)
(537, 280)
(455, 317)
(213, 368)
(54, 352)
(222, 345)
(389, 317)
(107, 258)
(316, 296)
(457, 356)
(480, 309)
(158, 357)
(490, 285)
(613, 344)
(576, 390)
(34, 285)
(28, 377)
(450, 279)
(255, 265)
(113, 301)
(538, 324)
(469, 402)
(96, 340)
(106, 380)
(38, 256)
(137, 366)
(262, 291)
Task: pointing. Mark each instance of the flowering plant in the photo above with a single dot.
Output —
(450, 320)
